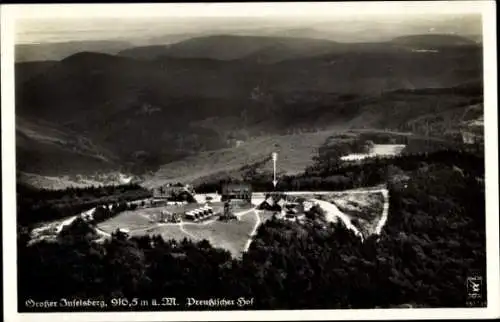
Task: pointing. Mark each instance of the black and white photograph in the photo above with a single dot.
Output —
(250, 161)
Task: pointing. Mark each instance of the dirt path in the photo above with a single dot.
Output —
(333, 212)
(65, 223)
(190, 234)
(244, 212)
(254, 231)
(385, 212)
(240, 214)
(207, 222)
(331, 209)
(102, 233)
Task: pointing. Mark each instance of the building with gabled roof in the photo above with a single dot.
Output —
(173, 193)
(236, 191)
(273, 202)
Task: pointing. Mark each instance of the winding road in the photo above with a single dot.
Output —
(254, 231)
(385, 212)
(332, 215)
(333, 212)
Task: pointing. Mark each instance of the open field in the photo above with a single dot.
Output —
(143, 218)
(130, 220)
(378, 150)
(295, 153)
(167, 231)
(232, 236)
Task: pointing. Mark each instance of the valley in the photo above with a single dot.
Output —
(253, 162)
(195, 102)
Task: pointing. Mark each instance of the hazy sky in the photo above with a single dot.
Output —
(49, 23)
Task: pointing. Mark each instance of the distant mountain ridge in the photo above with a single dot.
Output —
(298, 41)
(434, 40)
(60, 50)
(230, 47)
(157, 108)
(271, 49)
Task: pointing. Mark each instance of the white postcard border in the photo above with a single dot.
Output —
(8, 16)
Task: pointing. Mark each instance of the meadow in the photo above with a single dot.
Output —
(294, 154)
(131, 220)
(232, 235)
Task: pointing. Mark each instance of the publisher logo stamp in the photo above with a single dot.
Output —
(475, 292)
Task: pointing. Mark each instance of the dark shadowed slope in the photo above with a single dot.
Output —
(27, 70)
(60, 50)
(104, 87)
(373, 68)
(127, 106)
(44, 147)
(151, 112)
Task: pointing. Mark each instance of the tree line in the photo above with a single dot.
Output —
(433, 239)
(35, 205)
(331, 174)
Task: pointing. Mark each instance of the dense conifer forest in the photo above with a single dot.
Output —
(434, 238)
(36, 205)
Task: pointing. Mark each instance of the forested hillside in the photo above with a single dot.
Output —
(37, 205)
(434, 237)
(186, 98)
